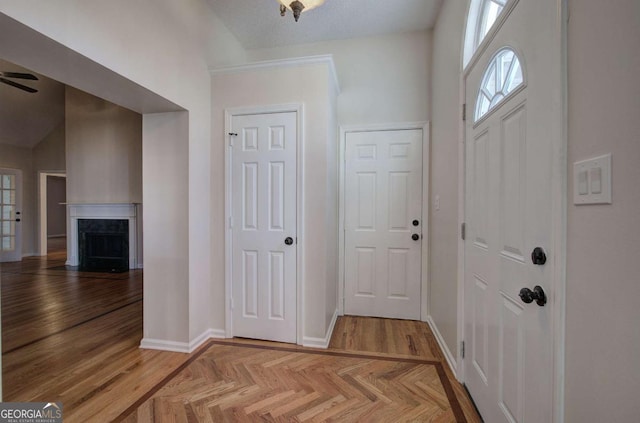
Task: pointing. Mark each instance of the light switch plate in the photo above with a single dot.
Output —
(592, 181)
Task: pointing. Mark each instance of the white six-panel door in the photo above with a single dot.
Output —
(508, 365)
(383, 210)
(263, 197)
(10, 215)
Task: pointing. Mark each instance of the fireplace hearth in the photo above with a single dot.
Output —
(103, 245)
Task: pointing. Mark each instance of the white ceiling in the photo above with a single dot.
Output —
(25, 118)
(258, 24)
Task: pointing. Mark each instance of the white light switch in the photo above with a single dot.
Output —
(583, 182)
(592, 181)
(595, 175)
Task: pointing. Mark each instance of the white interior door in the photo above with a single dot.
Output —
(263, 167)
(509, 152)
(10, 215)
(383, 223)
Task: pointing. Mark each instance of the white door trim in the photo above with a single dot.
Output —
(559, 206)
(229, 113)
(344, 130)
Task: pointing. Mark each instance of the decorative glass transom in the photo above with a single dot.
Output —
(483, 14)
(503, 75)
(489, 14)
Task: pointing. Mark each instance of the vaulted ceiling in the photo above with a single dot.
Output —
(26, 118)
(258, 24)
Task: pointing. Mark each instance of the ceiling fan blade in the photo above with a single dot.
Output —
(20, 86)
(19, 75)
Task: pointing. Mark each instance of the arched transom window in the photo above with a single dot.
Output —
(502, 76)
(482, 15)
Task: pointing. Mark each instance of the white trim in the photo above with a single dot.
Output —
(311, 342)
(280, 63)
(426, 149)
(182, 347)
(217, 334)
(461, 220)
(229, 113)
(451, 361)
(162, 345)
(559, 222)
(126, 211)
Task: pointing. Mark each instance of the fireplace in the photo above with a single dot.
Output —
(105, 236)
(103, 245)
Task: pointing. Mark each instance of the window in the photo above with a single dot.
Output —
(489, 14)
(503, 75)
(482, 15)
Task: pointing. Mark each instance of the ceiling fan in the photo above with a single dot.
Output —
(18, 75)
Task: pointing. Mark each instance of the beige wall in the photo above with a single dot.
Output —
(49, 154)
(445, 142)
(268, 87)
(603, 248)
(103, 151)
(382, 79)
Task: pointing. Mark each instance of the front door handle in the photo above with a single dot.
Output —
(528, 296)
(288, 240)
(415, 237)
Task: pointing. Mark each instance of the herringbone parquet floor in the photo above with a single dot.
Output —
(253, 382)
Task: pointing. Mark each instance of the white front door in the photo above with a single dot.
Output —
(263, 197)
(509, 155)
(10, 215)
(383, 223)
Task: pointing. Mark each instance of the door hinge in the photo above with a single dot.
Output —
(464, 112)
(462, 349)
(230, 222)
(231, 303)
(463, 231)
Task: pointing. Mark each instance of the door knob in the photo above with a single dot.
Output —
(288, 240)
(538, 256)
(18, 220)
(415, 237)
(416, 222)
(528, 296)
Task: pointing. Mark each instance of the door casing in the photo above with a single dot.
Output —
(559, 202)
(229, 113)
(344, 130)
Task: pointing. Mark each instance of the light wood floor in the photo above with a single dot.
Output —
(73, 337)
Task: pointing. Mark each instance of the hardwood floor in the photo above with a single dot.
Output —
(74, 337)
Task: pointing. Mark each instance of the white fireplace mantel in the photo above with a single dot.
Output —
(128, 211)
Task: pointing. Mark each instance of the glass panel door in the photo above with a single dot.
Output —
(10, 248)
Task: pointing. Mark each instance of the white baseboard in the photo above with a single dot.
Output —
(182, 347)
(217, 333)
(443, 346)
(308, 341)
(162, 345)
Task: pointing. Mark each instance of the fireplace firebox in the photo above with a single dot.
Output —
(103, 245)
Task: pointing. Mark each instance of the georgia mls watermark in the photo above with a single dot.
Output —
(31, 412)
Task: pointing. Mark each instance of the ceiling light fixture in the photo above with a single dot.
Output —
(298, 6)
